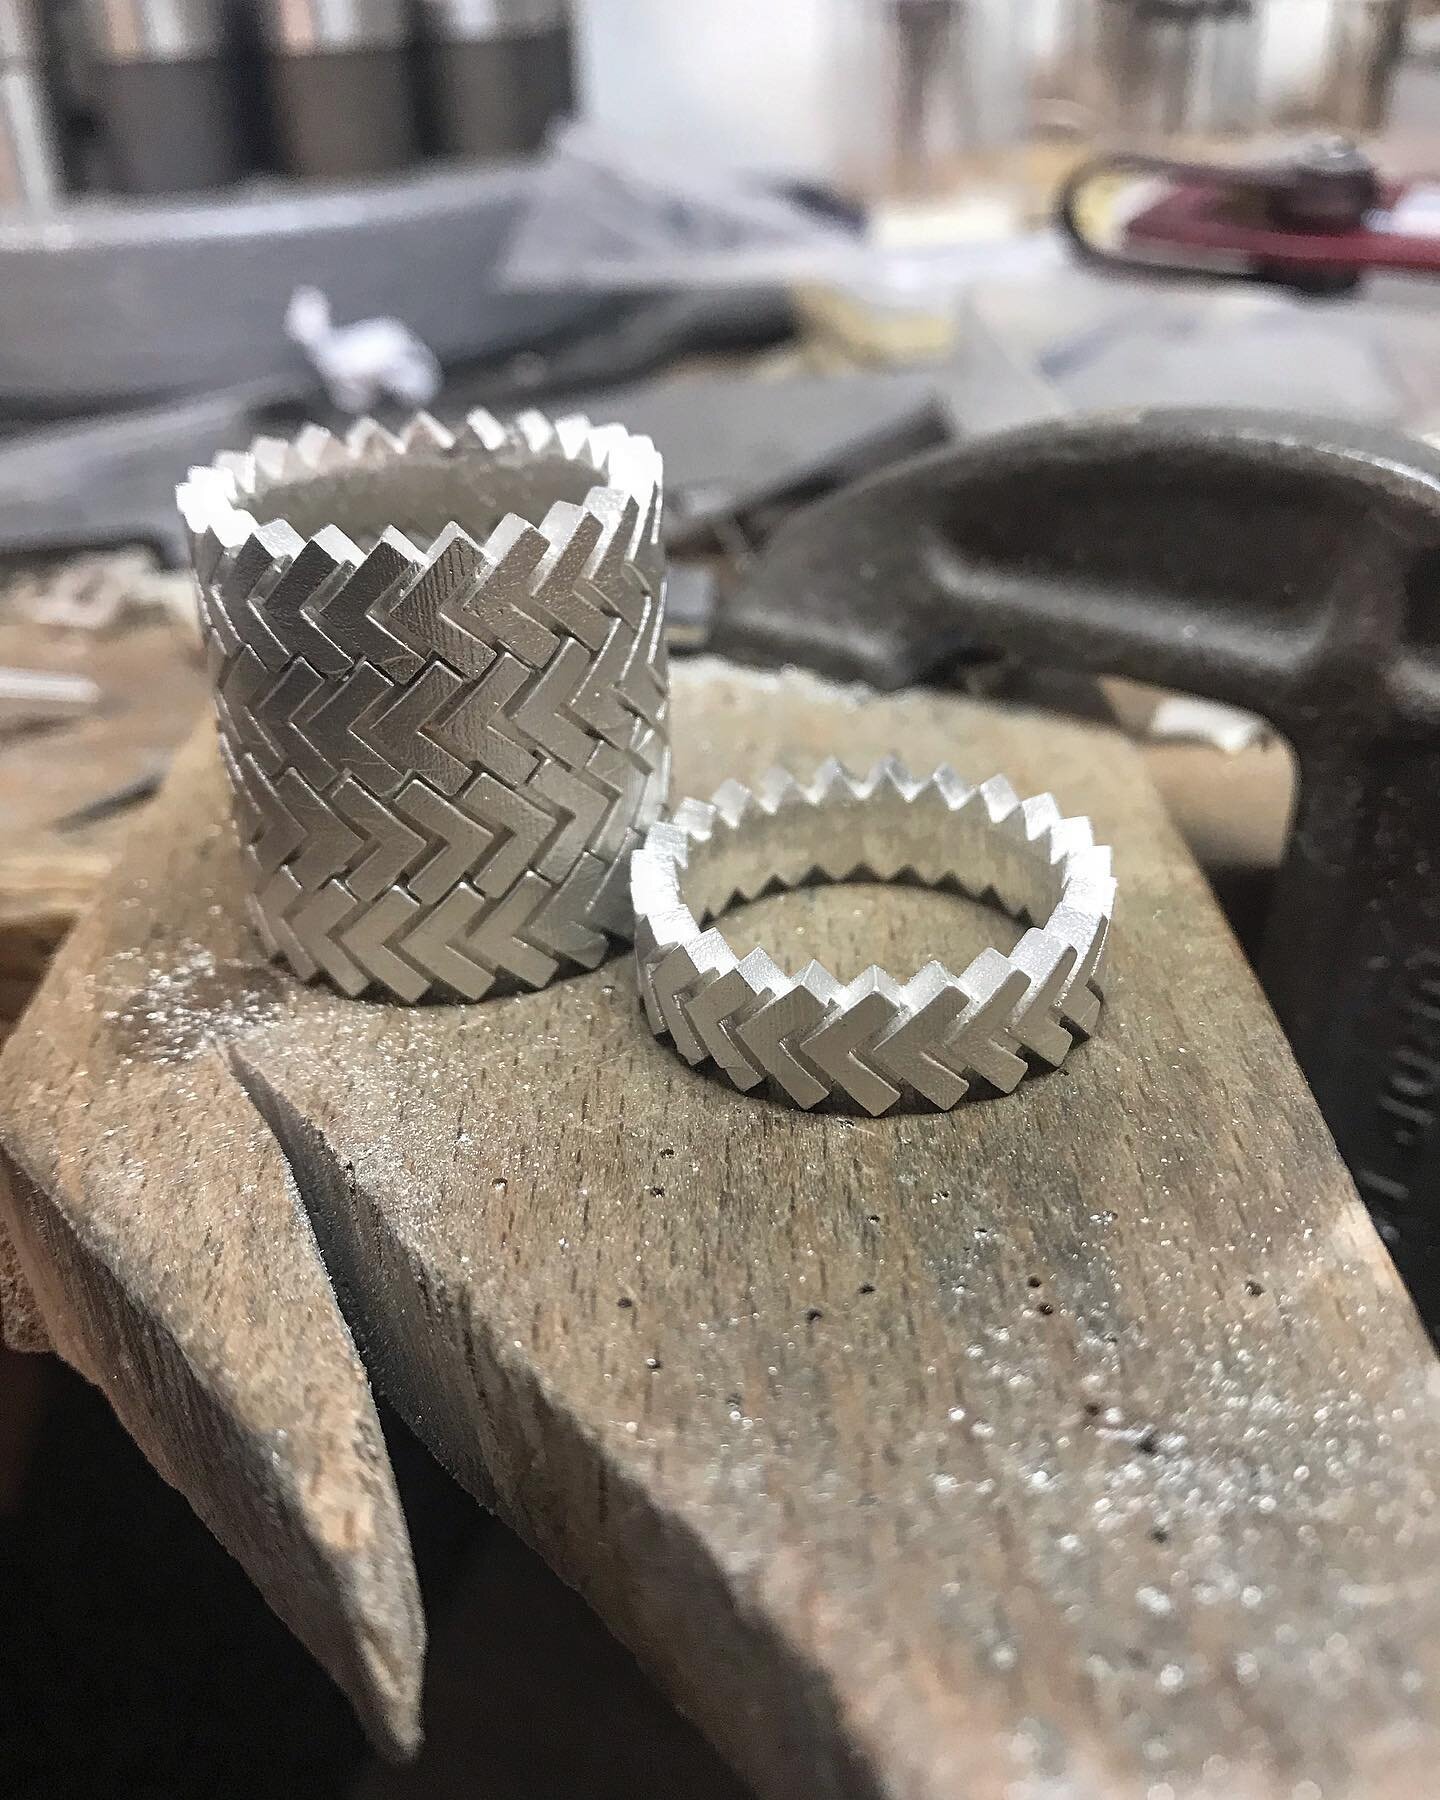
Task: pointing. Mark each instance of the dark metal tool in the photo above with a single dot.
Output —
(1286, 565)
(499, 73)
(341, 87)
(165, 93)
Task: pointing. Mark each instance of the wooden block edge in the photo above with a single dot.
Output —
(21, 1325)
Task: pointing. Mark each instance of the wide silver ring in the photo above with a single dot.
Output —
(439, 673)
(874, 1039)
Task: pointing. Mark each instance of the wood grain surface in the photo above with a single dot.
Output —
(53, 858)
(1079, 1443)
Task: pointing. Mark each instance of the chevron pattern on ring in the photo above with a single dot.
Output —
(441, 757)
(873, 1039)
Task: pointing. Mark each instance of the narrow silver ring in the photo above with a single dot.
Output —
(874, 1039)
(439, 671)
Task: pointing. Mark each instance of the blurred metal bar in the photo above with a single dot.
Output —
(163, 298)
(147, 31)
(499, 73)
(30, 170)
(1171, 67)
(311, 27)
(341, 83)
(1367, 42)
(164, 90)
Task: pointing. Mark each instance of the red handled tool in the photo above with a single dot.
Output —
(1317, 221)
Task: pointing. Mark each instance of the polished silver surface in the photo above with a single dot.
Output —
(146, 31)
(440, 680)
(466, 21)
(875, 1039)
(313, 27)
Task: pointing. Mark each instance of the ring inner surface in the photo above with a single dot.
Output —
(885, 837)
(420, 496)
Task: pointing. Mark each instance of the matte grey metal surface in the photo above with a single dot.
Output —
(136, 301)
(315, 27)
(441, 757)
(163, 87)
(875, 1039)
(341, 86)
(148, 31)
(342, 114)
(495, 96)
(101, 482)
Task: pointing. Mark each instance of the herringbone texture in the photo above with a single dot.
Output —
(441, 757)
(874, 1039)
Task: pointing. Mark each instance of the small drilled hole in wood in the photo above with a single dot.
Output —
(867, 1287)
(1034, 1281)
(625, 1302)
(812, 1313)
(1253, 1287)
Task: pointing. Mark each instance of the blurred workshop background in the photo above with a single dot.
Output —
(794, 240)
